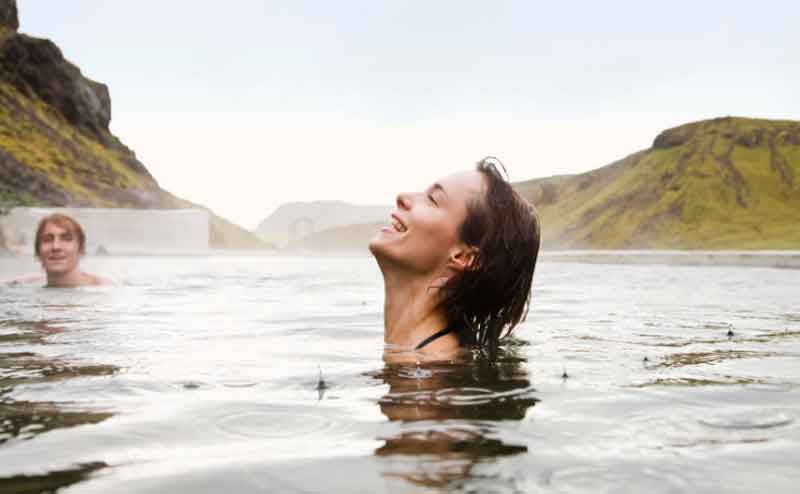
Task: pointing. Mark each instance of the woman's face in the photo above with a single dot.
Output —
(424, 229)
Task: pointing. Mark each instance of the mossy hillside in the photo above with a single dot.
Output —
(730, 183)
(37, 135)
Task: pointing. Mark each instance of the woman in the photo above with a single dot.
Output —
(457, 263)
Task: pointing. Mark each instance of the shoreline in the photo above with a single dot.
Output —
(784, 259)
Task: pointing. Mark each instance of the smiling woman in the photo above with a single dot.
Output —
(457, 261)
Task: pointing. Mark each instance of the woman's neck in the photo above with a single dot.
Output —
(411, 310)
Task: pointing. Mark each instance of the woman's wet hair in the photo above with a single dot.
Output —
(486, 301)
(63, 221)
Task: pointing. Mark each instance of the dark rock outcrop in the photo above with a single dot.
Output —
(37, 68)
(673, 137)
(8, 14)
(751, 139)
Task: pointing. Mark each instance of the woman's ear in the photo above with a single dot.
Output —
(463, 258)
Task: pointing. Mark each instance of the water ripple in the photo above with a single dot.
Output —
(627, 478)
(750, 419)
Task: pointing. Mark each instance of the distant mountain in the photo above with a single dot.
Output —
(295, 220)
(343, 239)
(726, 183)
(56, 148)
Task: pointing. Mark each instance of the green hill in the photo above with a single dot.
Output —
(726, 183)
(55, 145)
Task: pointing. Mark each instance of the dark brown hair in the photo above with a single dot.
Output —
(63, 221)
(493, 296)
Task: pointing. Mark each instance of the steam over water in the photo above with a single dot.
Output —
(264, 374)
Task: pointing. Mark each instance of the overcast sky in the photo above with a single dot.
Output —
(244, 105)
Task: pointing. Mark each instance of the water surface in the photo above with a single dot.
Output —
(254, 374)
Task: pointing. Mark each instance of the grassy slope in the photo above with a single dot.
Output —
(728, 183)
(38, 136)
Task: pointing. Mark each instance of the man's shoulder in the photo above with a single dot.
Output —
(19, 280)
(93, 279)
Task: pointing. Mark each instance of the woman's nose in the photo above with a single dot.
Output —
(404, 200)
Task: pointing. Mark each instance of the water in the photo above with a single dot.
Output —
(264, 374)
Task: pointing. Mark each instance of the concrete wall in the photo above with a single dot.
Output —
(118, 231)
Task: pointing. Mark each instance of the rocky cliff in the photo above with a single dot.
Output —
(726, 183)
(55, 145)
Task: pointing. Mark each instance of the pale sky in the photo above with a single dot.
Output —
(244, 105)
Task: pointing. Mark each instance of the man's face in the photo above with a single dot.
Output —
(58, 249)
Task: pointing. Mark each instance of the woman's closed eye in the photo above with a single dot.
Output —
(436, 194)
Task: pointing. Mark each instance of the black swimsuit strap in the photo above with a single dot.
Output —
(434, 336)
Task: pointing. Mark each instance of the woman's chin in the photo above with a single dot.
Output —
(377, 244)
(382, 241)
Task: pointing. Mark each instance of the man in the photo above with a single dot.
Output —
(60, 242)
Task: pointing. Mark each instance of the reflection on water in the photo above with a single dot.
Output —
(265, 374)
(28, 368)
(447, 412)
(50, 482)
(22, 420)
(698, 358)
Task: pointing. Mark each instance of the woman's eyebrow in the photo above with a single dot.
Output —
(438, 186)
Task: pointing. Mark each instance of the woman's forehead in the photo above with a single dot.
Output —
(466, 183)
